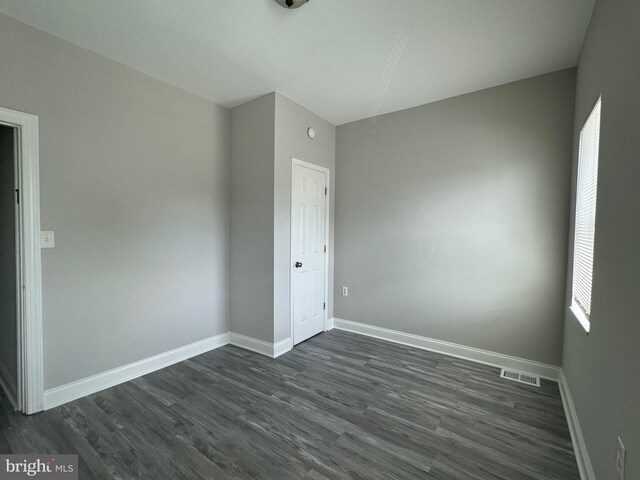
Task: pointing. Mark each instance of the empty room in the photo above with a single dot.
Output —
(320, 239)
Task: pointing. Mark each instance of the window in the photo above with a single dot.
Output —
(586, 193)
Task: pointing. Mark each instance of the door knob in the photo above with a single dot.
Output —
(298, 264)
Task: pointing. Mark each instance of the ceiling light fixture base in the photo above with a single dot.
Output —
(291, 4)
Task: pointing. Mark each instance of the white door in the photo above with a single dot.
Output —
(308, 236)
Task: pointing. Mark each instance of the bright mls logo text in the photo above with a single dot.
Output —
(39, 466)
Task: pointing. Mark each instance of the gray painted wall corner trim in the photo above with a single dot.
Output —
(494, 359)
(579, 446)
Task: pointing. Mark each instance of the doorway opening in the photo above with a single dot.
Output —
(21, 339)
(9, 272)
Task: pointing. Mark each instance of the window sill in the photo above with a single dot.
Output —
(579, 314)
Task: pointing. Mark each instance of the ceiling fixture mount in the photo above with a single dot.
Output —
(291, 3)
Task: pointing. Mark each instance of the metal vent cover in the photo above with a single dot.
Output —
(520, 377)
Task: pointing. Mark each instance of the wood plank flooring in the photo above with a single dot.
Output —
(339, 406)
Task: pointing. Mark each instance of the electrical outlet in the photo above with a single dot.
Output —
(621, 459)
(345, 291)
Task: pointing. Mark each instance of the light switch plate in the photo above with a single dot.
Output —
(47, 240)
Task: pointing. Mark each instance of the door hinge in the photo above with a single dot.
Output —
(324, 305)
(325, 249)
(325, 190)
(17, 196)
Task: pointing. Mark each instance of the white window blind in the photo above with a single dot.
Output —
(586, 193)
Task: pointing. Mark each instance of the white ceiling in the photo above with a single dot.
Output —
(343, 59)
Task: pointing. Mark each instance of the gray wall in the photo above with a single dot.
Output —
(133, 176)
(265, 134)
(8, 305)
(451, 218)
(252, 147)
(292, 141)
(601, 368)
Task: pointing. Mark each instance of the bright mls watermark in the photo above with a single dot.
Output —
(52, 467)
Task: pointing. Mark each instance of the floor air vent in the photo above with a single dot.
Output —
(520, 377)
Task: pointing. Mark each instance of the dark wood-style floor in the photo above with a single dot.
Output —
(339, 406)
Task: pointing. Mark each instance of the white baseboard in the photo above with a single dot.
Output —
(579, 446)
(101, 381)
(6, 385)
(477, 355)
(282, 347)
(272, 350)
(86, 386)
(330, 324)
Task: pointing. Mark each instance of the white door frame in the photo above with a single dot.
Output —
(29, 322)
(327, 172)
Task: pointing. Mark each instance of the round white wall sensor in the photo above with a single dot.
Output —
(311, 132)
